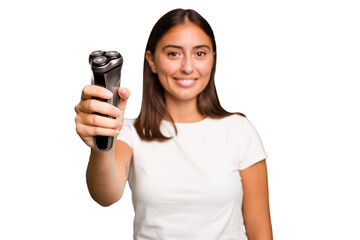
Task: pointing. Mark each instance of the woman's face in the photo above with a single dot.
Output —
(183, 61)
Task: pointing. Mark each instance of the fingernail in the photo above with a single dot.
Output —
(123, 90)
(118, 113)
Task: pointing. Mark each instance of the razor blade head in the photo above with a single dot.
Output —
(100, 60)
(97, 53)
(112, 54)
(104, 61)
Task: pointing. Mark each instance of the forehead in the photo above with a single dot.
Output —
(186, 34)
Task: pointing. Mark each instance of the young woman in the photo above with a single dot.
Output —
(195, 170)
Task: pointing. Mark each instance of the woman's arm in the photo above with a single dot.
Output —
(256, 202)
(107, 171)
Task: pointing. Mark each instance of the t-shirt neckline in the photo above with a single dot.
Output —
(187, 123)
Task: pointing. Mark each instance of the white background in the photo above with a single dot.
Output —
(291, 66)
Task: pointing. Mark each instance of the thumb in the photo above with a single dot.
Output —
(124, 94)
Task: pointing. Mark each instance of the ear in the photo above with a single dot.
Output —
(151, 61)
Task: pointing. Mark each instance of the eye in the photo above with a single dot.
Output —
(200, 54)
(173, 54)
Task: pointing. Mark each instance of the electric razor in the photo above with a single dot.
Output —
(106, 72)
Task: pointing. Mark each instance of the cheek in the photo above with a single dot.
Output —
(166, 67)
(206, 67)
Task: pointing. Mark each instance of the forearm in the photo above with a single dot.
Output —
(102, 178)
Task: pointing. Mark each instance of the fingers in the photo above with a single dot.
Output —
(89, 124)
(91, 91)
(88, 131)
(96, 120)
(93, 105)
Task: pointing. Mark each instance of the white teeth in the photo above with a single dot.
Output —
(186, 80)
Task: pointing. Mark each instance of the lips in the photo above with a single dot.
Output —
(185, 82)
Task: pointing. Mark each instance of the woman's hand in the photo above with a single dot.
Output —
(89, 124)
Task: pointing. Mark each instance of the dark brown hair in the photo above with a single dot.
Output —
(153, 108)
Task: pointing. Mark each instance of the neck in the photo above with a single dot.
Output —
(184, 111)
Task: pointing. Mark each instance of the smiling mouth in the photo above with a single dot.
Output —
(186, 82)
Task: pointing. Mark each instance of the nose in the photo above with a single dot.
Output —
(187, 65)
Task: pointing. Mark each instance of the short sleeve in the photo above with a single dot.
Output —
(251, 149)
(126, 132)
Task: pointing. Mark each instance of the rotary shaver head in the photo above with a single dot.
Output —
(104, 61)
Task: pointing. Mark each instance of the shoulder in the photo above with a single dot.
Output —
(235, 118)
(129, 121)
(235, 125)
(230, 127)
(129, 124)
(127, 132)
(234, 121)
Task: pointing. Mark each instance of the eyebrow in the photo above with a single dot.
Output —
(179, 47)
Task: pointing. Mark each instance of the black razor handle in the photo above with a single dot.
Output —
(106, 72)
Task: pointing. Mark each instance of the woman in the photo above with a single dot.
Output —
(195, 170)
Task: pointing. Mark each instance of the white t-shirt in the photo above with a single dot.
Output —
(189, 187)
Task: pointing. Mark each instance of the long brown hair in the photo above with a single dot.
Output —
(153, 108)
